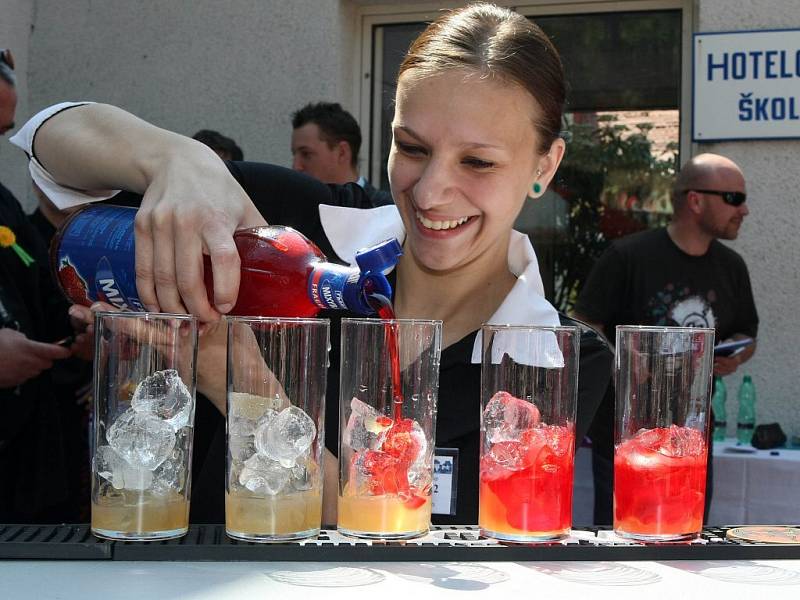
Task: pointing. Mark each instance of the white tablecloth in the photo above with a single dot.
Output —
(755, 486)
(104, 580)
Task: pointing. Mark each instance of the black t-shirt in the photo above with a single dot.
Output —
(646, 279)
(289, 198)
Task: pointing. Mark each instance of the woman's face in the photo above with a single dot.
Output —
(462, 162)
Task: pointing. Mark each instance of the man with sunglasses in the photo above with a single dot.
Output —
(679, 275)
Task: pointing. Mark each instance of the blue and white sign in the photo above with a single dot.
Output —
(746, 85)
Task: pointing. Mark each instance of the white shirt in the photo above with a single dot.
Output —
(348, 230)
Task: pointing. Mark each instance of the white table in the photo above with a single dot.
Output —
(755, 486)
(103, 580)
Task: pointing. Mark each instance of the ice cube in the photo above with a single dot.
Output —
(111, 466)
(261, 475)
(366, 428)
(406, 441)
(164, 394)
(141, 438)
(376, 473)
(240, 427)
(287, 436)
(506, 417)
(679, 442)
(262, 427)
(241, 448)
(305, 474)
(171, 475)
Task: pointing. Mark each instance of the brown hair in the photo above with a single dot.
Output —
(495, 42)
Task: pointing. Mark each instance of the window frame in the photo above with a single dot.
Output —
(368, 74)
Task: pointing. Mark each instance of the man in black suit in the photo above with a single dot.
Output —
(325, 144)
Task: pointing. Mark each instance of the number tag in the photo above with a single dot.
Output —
(445, 481)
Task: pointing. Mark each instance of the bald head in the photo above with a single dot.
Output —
(704, 172)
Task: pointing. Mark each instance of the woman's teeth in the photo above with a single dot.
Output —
(437, 225)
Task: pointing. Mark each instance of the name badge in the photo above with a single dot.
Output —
(445, 481)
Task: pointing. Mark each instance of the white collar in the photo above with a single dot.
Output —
(350, 229)
(361, 181)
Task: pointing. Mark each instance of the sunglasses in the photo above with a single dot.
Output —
(731, 198)
(7, 58)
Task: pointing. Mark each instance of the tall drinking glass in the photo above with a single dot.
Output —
(387, 419)
(663, 385)
(529, 390)
(144, 399)
(275, 424)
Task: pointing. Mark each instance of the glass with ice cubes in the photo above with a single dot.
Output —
(277, 369)
(529, 390)
(144, 401)
(663, 386)
(389, 381)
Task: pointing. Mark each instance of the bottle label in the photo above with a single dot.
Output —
(95, 239)
(720, 424)
(745, 426)
(326, 286)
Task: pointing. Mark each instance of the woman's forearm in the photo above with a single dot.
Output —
(98, 146)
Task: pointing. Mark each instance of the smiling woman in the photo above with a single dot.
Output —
(479, 103)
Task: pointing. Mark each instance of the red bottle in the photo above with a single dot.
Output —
(284, 274)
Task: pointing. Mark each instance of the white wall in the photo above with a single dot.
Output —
(240, 67)
(769, 239)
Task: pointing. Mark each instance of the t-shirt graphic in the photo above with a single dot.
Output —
(682, 308)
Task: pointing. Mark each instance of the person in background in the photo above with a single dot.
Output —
(326, 140)
(225, 147)
(40, 432)
(475, 135)
(679, 275)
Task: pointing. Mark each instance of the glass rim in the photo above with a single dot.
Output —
(551, 328)
(664, 329)
(276, 320)
(130, 314)
(376, 321)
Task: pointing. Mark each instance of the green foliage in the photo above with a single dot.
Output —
(614, 185)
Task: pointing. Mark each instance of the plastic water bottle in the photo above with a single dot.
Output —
(746, 421)
(284, 274)
(718, 405)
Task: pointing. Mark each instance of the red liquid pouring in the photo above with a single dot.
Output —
(383, 306)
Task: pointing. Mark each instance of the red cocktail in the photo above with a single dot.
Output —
(525, 474)
(660, 484)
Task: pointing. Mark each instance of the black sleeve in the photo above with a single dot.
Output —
(598, 300)
(286, 197)
(594, 375)
(747, 315)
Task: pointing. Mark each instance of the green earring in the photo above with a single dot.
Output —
(537, 187)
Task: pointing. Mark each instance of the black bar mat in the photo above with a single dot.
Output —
(34, 542)
(443, 543)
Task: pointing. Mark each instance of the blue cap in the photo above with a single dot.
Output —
(379, 258)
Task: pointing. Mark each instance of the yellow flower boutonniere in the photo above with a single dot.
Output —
(9, 240)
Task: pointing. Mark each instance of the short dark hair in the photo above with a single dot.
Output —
(7, 67)
(216, 141)
(335, 125)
